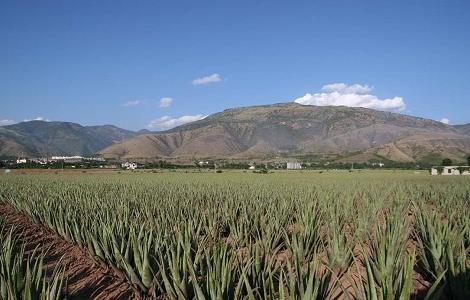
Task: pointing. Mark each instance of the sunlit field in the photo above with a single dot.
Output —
(241, 235)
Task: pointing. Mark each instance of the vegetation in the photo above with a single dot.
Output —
(286, 235)
(22, 275)
(446, 162)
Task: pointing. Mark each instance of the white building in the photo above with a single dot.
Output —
(76, 157)
(21, 160)
(252, 168)
(94, 159)
(450, 170)
(130, 165)
(294, 166)
(41, 161)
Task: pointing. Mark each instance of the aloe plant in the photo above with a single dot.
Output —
(242, 236)
(22, 275)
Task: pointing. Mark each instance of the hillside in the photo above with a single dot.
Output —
(40, 138)
(464, 129)
(291, 129)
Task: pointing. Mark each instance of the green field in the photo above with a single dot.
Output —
(240, 235)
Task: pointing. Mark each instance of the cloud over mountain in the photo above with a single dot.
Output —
(6, 122)
(36, 119)
(355, 95)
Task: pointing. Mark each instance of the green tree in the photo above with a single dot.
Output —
(468, 160)
(447, 162)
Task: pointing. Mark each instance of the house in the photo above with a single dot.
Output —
(252, 168)
(21, 160)
(203, 163)
(450, 170)
(130, 165)
(41, 161)
(294, 166)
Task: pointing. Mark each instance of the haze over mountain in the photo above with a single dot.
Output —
(41, 138)
(291, 129)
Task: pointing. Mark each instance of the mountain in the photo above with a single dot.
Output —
(291, 129)
(464, 129)
(40, 138)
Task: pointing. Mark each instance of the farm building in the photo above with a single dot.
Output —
(21, 161)
(41, 161)
(450, 170)
(130, 165)
(203, 163)
(76, 158)
(294, 166)
(68, 159)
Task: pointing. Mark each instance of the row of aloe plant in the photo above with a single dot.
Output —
(233, 236)
(444, 253)
(22, 273)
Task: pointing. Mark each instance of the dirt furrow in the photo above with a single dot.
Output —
(85, 277)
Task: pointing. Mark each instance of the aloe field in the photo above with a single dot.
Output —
(235, 235)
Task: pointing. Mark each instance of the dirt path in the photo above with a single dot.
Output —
(85, 277)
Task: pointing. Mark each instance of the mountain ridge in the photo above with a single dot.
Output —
(291, 129)
(253, 132)
(44, 138)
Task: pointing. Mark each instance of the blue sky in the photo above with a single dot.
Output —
(100, 62)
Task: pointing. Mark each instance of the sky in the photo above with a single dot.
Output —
(157, 64)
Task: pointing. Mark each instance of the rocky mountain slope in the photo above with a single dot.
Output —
(291, 129)
(40, 138)
(464, 129)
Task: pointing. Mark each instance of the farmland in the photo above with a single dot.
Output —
(235, 235)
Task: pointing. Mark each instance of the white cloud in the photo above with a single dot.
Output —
(445, 121)
(6, 122)
(166, 101)
(167, 122)
(36, 119)
(355, 95)
(131, 103)
(207, 79)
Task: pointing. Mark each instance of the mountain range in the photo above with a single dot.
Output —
(41, 139)
(257, 132)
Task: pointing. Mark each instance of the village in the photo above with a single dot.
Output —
(80, 162)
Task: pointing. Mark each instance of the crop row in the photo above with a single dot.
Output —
(243, 236)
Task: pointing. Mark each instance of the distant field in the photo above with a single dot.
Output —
(190, 234)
